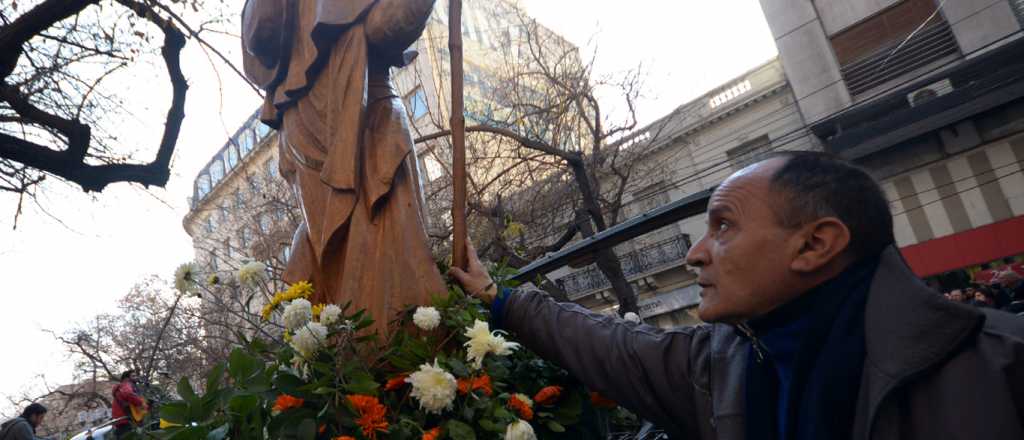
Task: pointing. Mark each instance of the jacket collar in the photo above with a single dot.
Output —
(908, 326)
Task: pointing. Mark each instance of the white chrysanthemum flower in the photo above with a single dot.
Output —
(483, 341)
(252, 273)
(433, 387)
(520, 430)
(297, 314)
(185, 277)
(632, 317)
(426, 318)
(308, 339)
(330, 314)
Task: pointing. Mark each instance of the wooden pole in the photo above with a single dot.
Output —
(458, 125)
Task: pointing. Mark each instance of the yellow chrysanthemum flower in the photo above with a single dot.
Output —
(316, 311)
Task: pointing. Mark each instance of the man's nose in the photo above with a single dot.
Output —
(698, 255)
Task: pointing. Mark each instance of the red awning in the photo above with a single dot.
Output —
(967, 248)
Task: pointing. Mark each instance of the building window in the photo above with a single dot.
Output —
(748, 152)
(239, 199)
(216, 171)
(262, 131)
(265, 223)
(246, 142)
(213, 261)
(227, 248)
(272, 168)
(416, 101)
(210, 224)
(202, 186)
(223, 213)
(245, 237)
(231, 157)
(1018, 10)
(877, 50)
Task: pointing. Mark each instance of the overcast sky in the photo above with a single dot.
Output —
(72, 256)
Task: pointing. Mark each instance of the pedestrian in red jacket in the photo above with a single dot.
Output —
(126, 396)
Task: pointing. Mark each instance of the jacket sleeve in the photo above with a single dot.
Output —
(125, 393)
(645, 369)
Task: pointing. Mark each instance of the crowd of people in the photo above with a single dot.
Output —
(997, 288)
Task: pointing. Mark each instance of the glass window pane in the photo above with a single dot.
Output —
(262, 131)
(231, 157)
(417, 103)
(216, 171)
(202, 186)
(245, 142)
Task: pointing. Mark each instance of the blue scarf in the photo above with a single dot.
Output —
(804, 368)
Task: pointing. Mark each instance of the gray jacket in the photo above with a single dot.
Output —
(934, 369)
(17, 429)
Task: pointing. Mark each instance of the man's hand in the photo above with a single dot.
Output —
(475, 280)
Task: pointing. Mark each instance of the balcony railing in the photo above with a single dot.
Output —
(641, 261)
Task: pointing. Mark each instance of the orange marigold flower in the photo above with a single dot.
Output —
(547, 395)
(285, 402)
(482, 383)
(520, 407)
(433, 434)
(464, 385)
(371, 414)
(396, 382)
(601, 401)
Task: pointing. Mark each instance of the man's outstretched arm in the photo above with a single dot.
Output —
(646, 369)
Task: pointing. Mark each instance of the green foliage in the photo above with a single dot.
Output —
(268, 390)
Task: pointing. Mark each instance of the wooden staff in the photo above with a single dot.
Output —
(458, 125)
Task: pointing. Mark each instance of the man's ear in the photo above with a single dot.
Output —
(823, 242)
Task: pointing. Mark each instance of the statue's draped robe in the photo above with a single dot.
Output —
(345, 147)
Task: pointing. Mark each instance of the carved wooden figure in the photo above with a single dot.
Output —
(345, 145)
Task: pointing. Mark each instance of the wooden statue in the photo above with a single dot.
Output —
(345, 145)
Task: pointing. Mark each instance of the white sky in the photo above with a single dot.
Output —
(56, 275)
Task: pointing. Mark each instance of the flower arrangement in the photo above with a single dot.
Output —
(442, 372)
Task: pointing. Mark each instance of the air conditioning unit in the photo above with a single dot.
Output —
(929, 92)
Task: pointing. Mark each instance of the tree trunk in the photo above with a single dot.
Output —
(608, 263)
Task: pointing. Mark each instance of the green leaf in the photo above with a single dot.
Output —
(243, 404)
(489, 425)
(186, 392)
(459, 431)
(242, 365)
(175, 412)
(306, 430)
(214, 377)
(555, 426)
(219, 433)
(458, 367)
(361, 382)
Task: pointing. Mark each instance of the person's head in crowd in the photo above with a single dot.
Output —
(969, 291)
(34, 414)
(814, 213)
(130, 375)
(984, 296)
(956, 295)
(1007, 278)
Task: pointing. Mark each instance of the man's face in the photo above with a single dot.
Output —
(744, 258)
(956, 295)
(37, 419)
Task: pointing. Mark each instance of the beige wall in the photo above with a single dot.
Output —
(966, 191)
